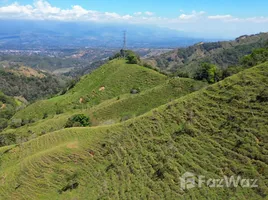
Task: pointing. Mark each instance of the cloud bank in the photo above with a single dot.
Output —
(196, 22)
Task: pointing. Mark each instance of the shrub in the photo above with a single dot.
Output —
(16, 123)
(3, 123)
(79, 120)
(207, 72)
(132, 58)
(135, 91)
(182, 74)
(59, 111)
(45, 116)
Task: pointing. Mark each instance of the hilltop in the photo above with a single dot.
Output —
(216, 131)
(222, 54)
(112, 79)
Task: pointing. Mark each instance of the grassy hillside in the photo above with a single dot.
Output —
(109, 81)
(216, 131)
(223, 54)
(111, 111)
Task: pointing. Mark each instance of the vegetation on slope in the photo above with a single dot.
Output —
(29, 83)
(222, 54)
(8, 107)
(118, 109)
(211, 73)
(220, 130)
(47, 63)
(111, 80)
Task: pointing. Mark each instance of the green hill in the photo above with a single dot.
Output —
(109, 81)
(115, 110)
(216, 131)
(222, 54)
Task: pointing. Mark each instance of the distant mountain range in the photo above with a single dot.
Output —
(53, 34)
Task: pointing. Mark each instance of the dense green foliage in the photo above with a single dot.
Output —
(79, 120)
(131, 56)
(31, 88)
(207, 72)
(7, 109)
(258, 56)
(211, 73)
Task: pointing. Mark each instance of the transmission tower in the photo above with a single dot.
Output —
(125, 43)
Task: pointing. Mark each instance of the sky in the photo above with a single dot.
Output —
(211, 18)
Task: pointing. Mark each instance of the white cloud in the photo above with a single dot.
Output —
(15, 8)
(258, 19)
(42, 10)
(149, 13)
(193, 15)
(138, 13)
(189, 22)
(220, 17)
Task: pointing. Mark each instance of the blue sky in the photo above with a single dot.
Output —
(217, 18)
(170, 8)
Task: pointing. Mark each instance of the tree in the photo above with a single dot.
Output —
(79, 120)
(256, 57)
(132, 59)
(207, 72)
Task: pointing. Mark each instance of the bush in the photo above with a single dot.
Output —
(133, 58)
(45, 116)
(3, 123)
(79, 120)
(207, 72)
(16, 123)
(258, 56)
(182, 74)
(59, 111)
(134, 91)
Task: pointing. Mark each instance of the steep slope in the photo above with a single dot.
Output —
(223, 54)
(111, 111)
(220, 130)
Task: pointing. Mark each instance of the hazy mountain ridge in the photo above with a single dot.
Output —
(42, 34)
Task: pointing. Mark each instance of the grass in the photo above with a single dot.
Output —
(216, 131)
(112, 111)
(116, 76)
